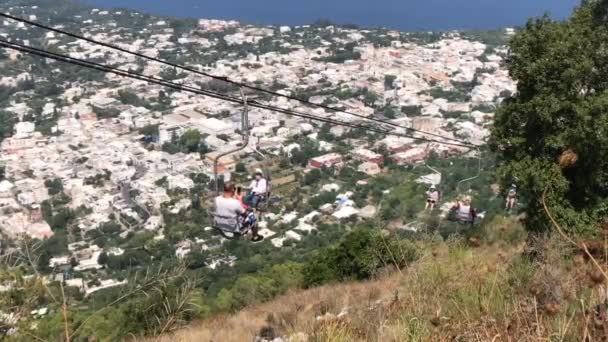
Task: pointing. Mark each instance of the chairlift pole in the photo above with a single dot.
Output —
(426, 164)
(245, 134)
(472, 178)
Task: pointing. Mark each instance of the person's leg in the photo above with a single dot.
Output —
(249, 198)
(242, 221)
(246, 226)
(254, 200)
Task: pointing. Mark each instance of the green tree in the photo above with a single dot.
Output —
(7, 122)
(129, 98)
(190, 140)
(149, 130)
(549, 136)
(358, 256)
(240, 168)
(389, 82)
(312, 177)
(54, 186)
(103, 258)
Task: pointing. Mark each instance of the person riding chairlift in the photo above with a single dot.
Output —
(230, 213)
(511, 198)
(464, 211)
(257, 189)
(432, 197)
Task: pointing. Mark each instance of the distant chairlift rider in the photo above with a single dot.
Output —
(511, 198)
(464, 212)
(257, 190)
(432, 197)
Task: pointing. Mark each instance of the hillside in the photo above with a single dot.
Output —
(489, 290)
(426, 185)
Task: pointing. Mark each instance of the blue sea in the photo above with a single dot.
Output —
(407, 15)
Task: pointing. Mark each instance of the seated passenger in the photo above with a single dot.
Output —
(257, 189)
(230, 213)
(511, 198)
(432, 197)
(464, 211)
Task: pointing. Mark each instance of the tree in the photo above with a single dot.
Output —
(54, 186)
(240, 168)
(549, 136)
(103, 258)
(389, 82)
(129, 98)
(388, 111)
(370, 98)
(149, 130)
(7, 122)
(358, 256)
(312, 177)
(190, 140)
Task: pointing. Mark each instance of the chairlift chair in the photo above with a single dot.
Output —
(470, 179)
(433, 185)
(230, 230)
(229, 226)
(459, 216)
(265, 200)
(469, 216)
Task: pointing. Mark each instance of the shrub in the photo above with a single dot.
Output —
(359, 256)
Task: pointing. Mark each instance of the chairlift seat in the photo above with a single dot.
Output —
(227, 225)
(457, 216)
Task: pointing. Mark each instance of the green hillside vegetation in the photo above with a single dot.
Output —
(539, 274)
(550, 136)
(464, 290)
(502, 281)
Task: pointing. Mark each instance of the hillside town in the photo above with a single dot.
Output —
(115, 154)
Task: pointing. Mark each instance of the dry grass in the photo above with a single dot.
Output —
(488, 293)
(293, 312)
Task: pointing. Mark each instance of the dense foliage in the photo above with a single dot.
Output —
(551, 135)
(358, 256)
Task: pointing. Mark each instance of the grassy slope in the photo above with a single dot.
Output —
(467, 291)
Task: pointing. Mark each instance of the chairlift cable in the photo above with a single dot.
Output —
(221, 78)
(199, 91)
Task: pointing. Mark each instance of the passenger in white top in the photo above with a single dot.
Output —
(432, 197)
(257, 189)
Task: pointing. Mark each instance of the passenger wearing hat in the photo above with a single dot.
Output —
(257, 189)
(432, 197)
